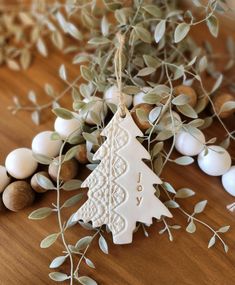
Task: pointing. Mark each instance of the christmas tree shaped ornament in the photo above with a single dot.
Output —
(121, 190)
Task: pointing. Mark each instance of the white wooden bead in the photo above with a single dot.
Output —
(99, 108)
(228, 181)
(216, 162)
(20, 163)
(4, 178)
(43, 144)
(139, 97)
(111, 95)
(66, 127)
(190, 144)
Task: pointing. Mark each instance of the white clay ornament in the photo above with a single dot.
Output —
(4, 178)
(98, 107)
(111, 95)
(121, 190)
(44, 145)
(190, 144)
(66, 127)
(228, 181)
(20, 163)
(216, 162)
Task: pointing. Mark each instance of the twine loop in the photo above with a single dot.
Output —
(118, 73)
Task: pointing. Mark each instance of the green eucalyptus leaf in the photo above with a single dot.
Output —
(182, 99)
(146, 71)
(89, 262)
(160, 31)
(63, 113)
(103, 245)
(157, 148)
(153, 10)
(223, 229)
(62, 72)
(191, 228)
(44, 182)
(213, 25)
(58, 261)
(225, 143)
(184, 193)
(217, 83)
(151, 61)
(42, 159)
(40, 213)
(73, 184)
(99, 41)
(70, 153)
(55, 136)
(85, 280)
(83, 242)
(154, 114)
(74, 32)
(225, 247)
(200, 206)
(203, 64)
(58, 276)
(79, 58)
(164, 135)
(90, 137)
(86, 73)
(211, 241)
(172, 204)
(141, 114)
(227, 106)
(112, 107)
(49, 240)
(169, 187)
(152, 98)
(143, 34)
(187, 111)
(72, 200)
(181, 32)
(184, 160)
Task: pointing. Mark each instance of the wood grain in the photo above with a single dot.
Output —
(148, 261)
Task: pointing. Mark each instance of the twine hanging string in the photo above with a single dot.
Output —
(118, 73)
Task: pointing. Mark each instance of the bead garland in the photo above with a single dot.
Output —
(18, 178)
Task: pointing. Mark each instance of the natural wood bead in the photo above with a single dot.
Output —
(81, 154)
(2, 206)
(219, 101)
(143, 125)
(18, 195)
(69, 169)
(34, 183)
(188, 91)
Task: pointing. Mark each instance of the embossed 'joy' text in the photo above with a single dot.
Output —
(139, 189)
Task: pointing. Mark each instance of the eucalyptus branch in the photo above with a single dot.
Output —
(58, 207)
(84, 253)
(204, 224)
(47, 105)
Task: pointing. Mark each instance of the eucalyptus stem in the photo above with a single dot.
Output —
(202, 223)
(193, 218)
(49, 104)
(58, 207)
(85, 251)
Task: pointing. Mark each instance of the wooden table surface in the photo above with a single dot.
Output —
(148, 261)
